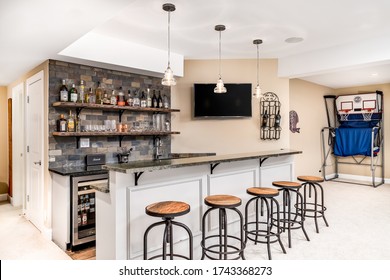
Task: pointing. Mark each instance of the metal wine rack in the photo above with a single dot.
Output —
(270, 128)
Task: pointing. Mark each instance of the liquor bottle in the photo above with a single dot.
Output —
(105, 99)
(92, 97)
(136, 101)
(166, 101)
(148, 99)
(71, 125)
(143, 100)
(265, 119)
(154, 100)
(73, 93)
(99, 94)
(160, 101)
(277, 119)
(81, 92)
(130, 99)
(121, 98)
(77, 124)
(61, 124)
(113, 100)
(87, 95)
(64, 92)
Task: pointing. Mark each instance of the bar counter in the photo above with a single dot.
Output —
(120, 213)
(152, 165)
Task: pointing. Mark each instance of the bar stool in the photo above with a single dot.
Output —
(271, 232)
(168, 210)
(291, 219)
(314, 207)
(223, 246)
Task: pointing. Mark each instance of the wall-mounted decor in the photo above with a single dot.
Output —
(294, 119)
(270, 117)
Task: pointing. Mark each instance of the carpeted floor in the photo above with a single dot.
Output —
(358, 216)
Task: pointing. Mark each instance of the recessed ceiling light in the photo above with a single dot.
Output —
(374, 74)
(294, 40)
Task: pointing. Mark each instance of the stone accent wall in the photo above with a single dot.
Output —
(63, 151)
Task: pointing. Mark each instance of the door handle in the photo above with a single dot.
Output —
(38, 162)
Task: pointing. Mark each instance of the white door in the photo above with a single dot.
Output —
(18, 146)
(34, 155)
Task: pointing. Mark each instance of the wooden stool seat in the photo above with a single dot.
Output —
(265, 192)
(313, 179)
(286, 184)
(167, 209)
(222, 201)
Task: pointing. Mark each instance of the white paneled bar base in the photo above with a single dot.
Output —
(120, 214)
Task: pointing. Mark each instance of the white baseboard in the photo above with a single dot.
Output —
(357, 178)
(4, 197)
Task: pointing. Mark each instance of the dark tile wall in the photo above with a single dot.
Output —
(63, 151)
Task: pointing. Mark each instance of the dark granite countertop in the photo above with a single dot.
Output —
(75, 171)
(150, 165)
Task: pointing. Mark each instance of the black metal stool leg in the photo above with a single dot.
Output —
(146, 237)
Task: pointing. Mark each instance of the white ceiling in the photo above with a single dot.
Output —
(346, 43)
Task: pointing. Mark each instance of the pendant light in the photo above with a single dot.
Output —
(257, 92)
(169, 79)
(220, 87)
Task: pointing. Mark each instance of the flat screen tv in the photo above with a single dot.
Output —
(235, 103)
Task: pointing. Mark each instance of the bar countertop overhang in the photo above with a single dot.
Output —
(151, 165)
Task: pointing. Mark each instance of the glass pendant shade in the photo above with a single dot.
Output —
(220, 87)
(169, 79)
(257, 92)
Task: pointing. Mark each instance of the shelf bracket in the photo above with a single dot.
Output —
(136, 176)
(262, 160)
(77, 142)
(120, 140)
(78, 111)
(212, 166)
(120, 114)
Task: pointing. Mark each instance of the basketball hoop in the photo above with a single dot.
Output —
(367, 115)
(344, 115)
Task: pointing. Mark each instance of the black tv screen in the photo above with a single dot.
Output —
(236, 102)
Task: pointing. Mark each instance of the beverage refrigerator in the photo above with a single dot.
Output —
(83, 228)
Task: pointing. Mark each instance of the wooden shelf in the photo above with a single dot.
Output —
(103, 133)
(81, 106)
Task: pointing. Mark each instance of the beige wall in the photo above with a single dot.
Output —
(307, 99)
(226, 136)
(365, 170)
(3, 135)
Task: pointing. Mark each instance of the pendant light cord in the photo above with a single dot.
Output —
(169, 39)
(220, 54)
(257, 64)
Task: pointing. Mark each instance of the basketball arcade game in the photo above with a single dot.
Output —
(354, 135)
